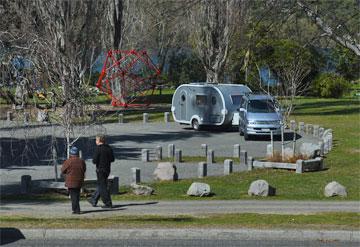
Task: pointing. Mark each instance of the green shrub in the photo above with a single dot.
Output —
(330, 85)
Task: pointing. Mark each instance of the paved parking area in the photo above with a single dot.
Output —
(128, 140)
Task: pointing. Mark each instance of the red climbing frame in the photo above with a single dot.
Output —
(128, 77)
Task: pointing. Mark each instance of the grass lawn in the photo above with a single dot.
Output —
(338, 221)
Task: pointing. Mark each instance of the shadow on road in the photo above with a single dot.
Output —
(288, 136)
(117, 207)
(136, 204)
(10, 235)
(100, 210)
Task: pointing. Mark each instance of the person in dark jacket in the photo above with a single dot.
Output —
(102, 158)
(74, 170)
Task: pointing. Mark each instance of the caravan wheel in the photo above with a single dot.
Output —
(195, 124)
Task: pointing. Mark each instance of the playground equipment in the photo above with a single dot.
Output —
(128, 77)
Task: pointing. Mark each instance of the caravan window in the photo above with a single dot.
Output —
(201, 99)
(183, 97)
(213, 100)
(236, 99)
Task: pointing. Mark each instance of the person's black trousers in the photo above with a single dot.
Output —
(102, 190)
(75, 198)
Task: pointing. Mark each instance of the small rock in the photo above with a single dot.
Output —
(199, 189)
(141, 190)
(261, 188)
(335, 189)
(166, 171)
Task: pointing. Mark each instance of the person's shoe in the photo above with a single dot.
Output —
(107, 206)
(76, 212)
(91, 202)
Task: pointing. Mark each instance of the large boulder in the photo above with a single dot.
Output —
(166, 171)
(142, 190)
(335, 189)
(261, 188)
(199, 189)
(310, 150)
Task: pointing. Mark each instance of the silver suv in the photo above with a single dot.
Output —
(259, 114)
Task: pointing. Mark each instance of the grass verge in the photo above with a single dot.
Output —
(345, 221)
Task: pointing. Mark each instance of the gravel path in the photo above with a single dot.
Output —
(57, 209)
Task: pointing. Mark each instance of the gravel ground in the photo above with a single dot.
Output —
(168, 208)
(128, 140)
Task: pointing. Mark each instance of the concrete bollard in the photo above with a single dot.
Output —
(205, 148)
(202, 169)
(158, 153)
(299, 166)
(228, 166)
(145, 155)
(321, 132)
(121, 118)
(250, 163)
(9, 116)
(326, 145)
(167, 117)
(292, 125)
(316, 131)
(135, 175)
(210, 157)
(309, 129)
(25, 184)
(171, 151)
(301, 128)
(321, 146)
(145, 117)
(330, 142)
(236, 153)
(243, 157)
(26, 117)
(178, 155)
(114, 188)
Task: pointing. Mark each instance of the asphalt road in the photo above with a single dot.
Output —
(181, 243)
(56, 209)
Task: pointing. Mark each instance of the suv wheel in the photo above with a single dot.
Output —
(195, 124)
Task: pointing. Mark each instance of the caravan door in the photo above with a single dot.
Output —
(183, 99)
